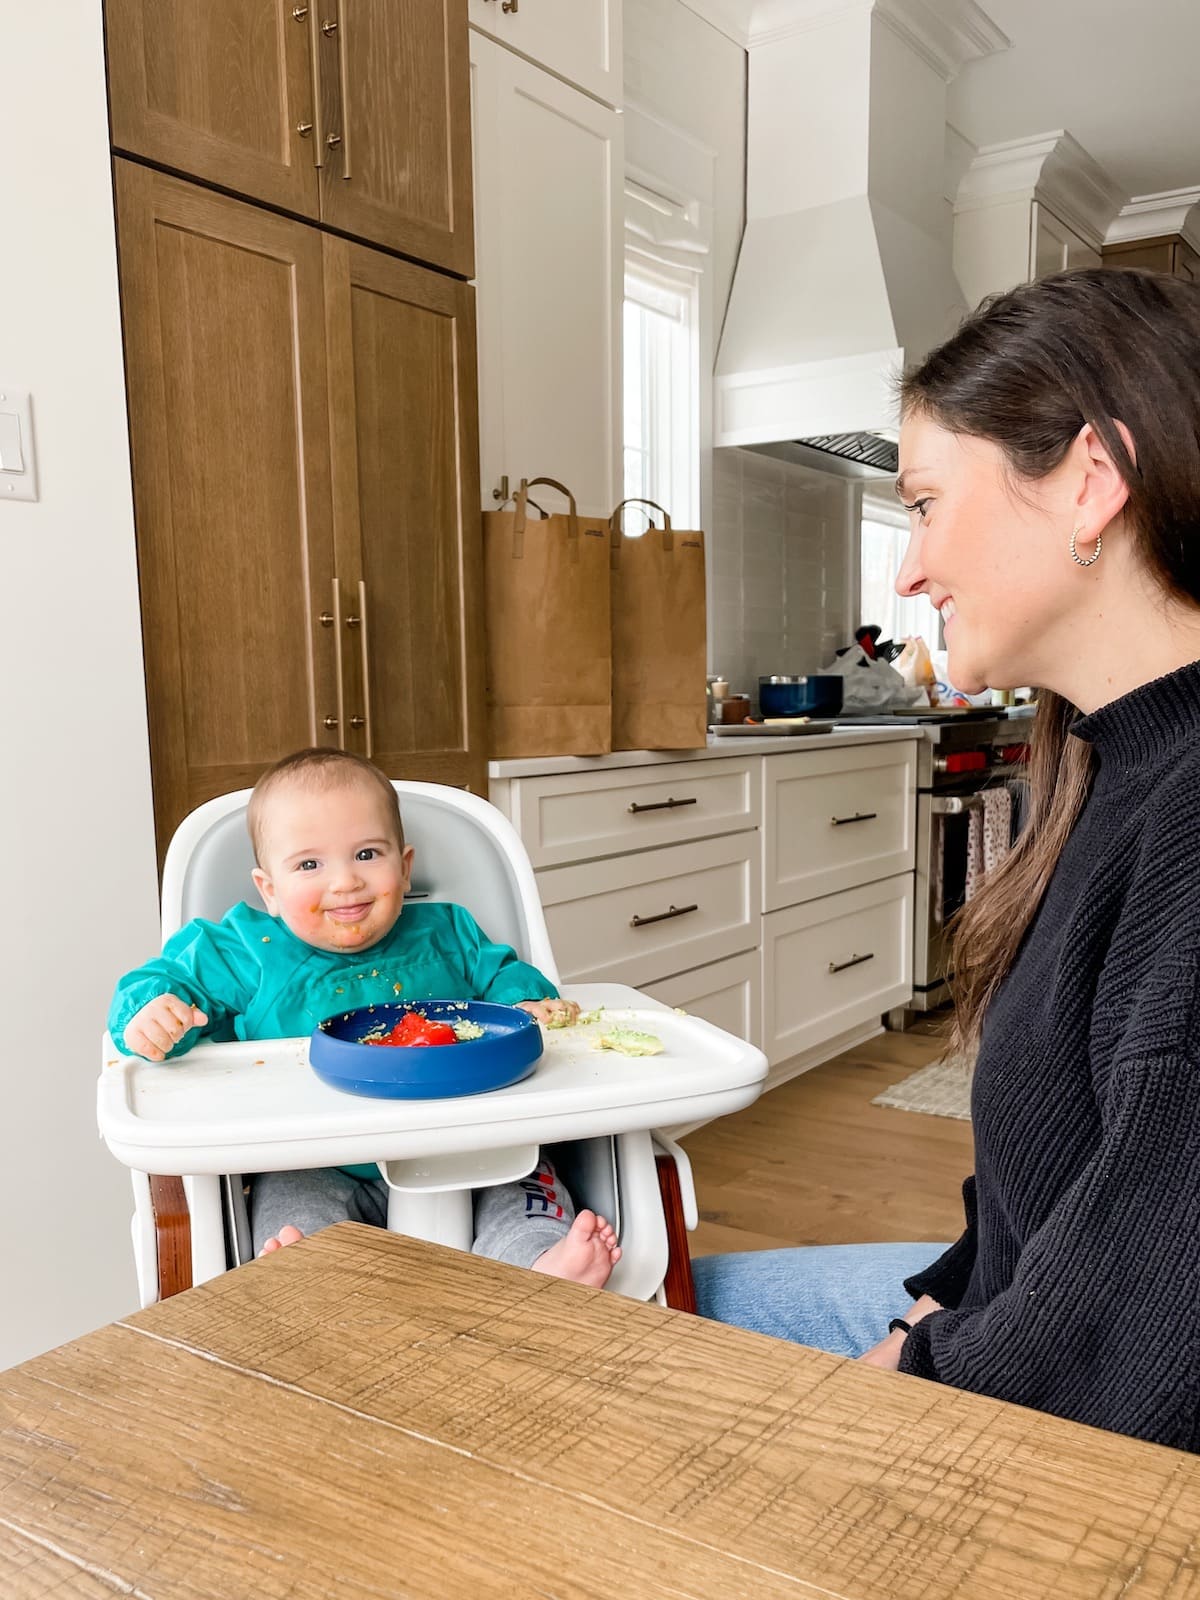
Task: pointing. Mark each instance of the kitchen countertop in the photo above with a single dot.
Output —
(771, 744)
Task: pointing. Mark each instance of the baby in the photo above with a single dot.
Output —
(333, 870)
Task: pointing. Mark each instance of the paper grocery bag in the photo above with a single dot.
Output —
(549, 646)
(659, 636)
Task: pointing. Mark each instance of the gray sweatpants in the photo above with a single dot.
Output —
(514, 1222)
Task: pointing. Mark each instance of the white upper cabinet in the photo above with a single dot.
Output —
(1055, 247)
(549, 175)
(1029, 208)
(580, 40)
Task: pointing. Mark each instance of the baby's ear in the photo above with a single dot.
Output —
(266, 889)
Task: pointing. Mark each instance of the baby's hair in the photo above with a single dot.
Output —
(318, 768)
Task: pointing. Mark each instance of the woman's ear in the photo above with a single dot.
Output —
(1102, 493)
(267, 890)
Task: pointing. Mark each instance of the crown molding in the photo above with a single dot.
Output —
(730, 17)
(1148, 216)
(1051, 167)
(957, 32)
(947, 38)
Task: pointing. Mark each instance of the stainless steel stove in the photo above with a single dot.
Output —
(958, 756)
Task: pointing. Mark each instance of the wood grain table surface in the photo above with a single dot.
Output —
(366, 1415)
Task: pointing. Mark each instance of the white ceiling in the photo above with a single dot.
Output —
(1120, 75)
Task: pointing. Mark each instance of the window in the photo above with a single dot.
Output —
(661, 369)
(884, 541)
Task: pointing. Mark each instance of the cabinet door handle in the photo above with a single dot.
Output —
(344, 83)
(360, 622)
(637, 808)
(662, 916)
(339, 720)
(859, 816)
(316, 126)
(854, 961)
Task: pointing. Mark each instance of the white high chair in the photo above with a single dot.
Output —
(225, 1109)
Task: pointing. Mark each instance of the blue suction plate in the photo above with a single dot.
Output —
(508, 1051)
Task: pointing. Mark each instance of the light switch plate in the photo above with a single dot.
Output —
(18, 469)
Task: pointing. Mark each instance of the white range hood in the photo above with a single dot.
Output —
(845, 273)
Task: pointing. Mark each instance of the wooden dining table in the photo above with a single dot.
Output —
(364, 1414)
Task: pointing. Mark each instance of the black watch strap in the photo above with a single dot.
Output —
(899, 1322)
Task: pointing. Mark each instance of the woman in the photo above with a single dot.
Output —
(1050, 456)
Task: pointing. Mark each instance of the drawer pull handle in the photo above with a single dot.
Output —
(663, 916)
(859, 816)
(636, 807)
(854, 961)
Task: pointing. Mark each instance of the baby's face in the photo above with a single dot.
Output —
(331, 867)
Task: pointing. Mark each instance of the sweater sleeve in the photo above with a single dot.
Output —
(946, 1280)
(1101, 1322)
(495, 971)
(205, 964)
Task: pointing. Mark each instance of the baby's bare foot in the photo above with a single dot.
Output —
(286, 1235)
(587, 1255)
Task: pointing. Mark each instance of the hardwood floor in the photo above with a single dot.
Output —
(814, 1162)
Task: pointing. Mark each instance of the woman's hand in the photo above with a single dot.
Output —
(155, 1030)
(886, 1353)
(552, 1013)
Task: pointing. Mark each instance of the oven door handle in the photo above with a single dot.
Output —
(954, 805)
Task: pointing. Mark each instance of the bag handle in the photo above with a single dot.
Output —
(614, 526)
(521, 501)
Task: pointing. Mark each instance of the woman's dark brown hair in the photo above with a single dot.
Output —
(1026, 371)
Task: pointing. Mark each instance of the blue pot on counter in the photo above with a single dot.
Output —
(817, 694)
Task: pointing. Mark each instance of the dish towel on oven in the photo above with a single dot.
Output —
(989, 835)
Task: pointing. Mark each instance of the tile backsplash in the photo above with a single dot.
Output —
(784, 565)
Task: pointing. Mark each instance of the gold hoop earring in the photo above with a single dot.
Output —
(1094, 557)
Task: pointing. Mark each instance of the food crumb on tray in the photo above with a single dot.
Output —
(630, 1042)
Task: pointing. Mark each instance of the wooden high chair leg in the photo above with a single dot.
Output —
(678, 1286)
(172, 1234)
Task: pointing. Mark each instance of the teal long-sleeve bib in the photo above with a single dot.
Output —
(256, 980)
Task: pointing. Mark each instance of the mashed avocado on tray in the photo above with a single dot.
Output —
(630, 1042)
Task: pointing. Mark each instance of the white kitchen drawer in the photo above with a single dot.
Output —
(646, 916)
(579, 816)
(836, 818)
(579, 42)
(834, 963)
(726, 993)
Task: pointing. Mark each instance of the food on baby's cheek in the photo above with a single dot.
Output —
(630, 1042)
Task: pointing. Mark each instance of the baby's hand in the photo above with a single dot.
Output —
(158, 1027)
(552, 1013)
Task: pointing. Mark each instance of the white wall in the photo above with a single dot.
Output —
(75, 810)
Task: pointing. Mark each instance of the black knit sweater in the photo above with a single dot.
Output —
(1076, 1286)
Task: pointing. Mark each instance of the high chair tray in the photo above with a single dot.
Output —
(258, 1106)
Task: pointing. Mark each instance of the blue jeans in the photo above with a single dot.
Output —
(835, 1297)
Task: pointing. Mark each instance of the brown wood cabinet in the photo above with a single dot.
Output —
(352, 112)
(304, 439)
(1169, 253)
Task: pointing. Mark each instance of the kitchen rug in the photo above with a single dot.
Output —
(942, 1089)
